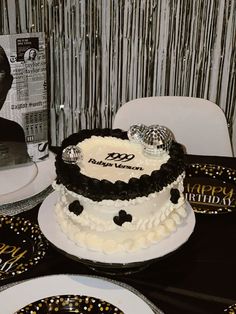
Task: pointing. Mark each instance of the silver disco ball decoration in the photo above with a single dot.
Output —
(72, 154)
(157, 140)
(135, 132)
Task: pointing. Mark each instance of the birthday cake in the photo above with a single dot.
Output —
(120, 191)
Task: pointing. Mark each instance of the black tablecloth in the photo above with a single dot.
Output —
(200, 277)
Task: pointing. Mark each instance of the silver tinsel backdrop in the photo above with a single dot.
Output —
(103, 53)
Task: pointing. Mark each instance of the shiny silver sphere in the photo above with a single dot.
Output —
(72, 154)
(135, 132)
(157, 140)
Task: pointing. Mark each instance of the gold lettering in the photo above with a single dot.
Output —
(13, 252)
(188, 188)
(206, 188)
(14, 259)
(216, 189)
(197, 187)
(7, 249)
(228, 194)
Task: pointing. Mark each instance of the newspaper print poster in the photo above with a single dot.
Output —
(23, 99)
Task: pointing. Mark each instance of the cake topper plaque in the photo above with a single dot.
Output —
(72, 154)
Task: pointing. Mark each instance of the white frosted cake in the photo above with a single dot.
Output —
(119, 192)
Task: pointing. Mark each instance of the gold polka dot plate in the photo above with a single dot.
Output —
(230, 309)
(22, 246)
(64, 304)
(210, 189)
(66, 293)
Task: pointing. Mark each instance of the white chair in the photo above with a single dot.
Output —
(198, 124)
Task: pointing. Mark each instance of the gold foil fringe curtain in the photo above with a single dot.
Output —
(103, 53)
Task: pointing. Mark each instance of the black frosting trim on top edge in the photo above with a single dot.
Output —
(70, 176)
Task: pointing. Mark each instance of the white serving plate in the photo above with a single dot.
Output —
(21, 183)
(51, 230)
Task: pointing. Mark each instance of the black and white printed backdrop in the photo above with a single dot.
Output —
(102, 53)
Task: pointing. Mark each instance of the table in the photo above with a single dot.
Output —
(199, 277)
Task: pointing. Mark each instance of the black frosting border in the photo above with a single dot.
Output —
(69, 175)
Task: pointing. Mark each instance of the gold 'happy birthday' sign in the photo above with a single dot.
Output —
(211, 189)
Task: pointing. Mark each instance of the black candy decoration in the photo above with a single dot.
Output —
(76, 208)
(122, 218)
(175, 195)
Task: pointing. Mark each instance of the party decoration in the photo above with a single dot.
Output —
(135, 132)
(72, 154)
(157, 140)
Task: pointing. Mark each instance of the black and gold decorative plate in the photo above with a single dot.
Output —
(210, 189)
(22, 245)
(64, 304)
(64, 294)
(230, 309)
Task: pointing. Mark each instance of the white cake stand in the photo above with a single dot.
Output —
(117, 262)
